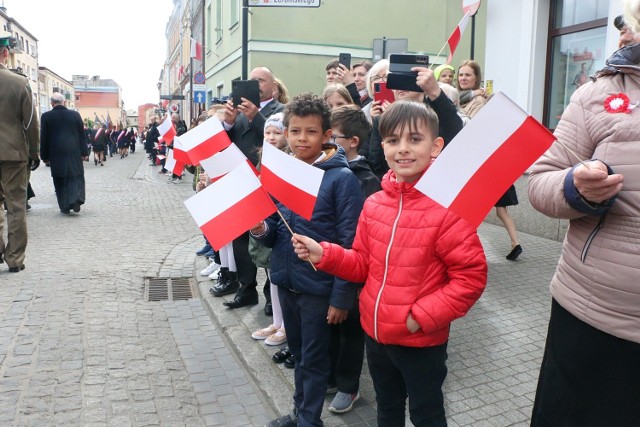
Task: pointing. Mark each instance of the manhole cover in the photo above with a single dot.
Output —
(167, 288)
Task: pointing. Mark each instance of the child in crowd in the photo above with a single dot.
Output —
(423, 267)
(336, 95)
(444, 74)
(274, 334)
(350, 129)
(312, 300)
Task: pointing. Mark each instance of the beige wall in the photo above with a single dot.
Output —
(49, 80)
(25, 56)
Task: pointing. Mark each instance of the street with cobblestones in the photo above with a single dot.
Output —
(80, 345)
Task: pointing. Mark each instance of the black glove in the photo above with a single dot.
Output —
(34, 163)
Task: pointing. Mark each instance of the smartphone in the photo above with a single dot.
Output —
(400, 76)
(382, 93)
(248, 89)
(345, 59)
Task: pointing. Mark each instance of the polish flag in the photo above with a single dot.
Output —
(292, 182)
(223, 162)
(204, 140)
(455, 37)
(166, 129)
(196, 50)
(173, 165)
(179, 152)
(230, 206)
(485, 158)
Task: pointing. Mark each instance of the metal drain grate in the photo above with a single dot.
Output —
(166, 288)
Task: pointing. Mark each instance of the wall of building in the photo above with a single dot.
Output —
(50, 82)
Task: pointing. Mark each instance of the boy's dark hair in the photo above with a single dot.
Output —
(407, 113)
(308, 104)
(332, 64)
(352, 122)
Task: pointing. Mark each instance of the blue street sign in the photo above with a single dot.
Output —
(198, 78)
(199, 96)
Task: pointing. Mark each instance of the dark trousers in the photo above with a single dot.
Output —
(305, 317)
(247, 270)
(398, 372)
(587, 378)
(346, 350)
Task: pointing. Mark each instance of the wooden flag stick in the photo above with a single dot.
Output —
(438, 55)
(291, 231)
(570, 151)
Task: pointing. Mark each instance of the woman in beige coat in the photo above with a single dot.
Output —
(590, 374)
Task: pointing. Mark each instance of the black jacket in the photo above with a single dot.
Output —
(248, 136)
(369, 182)
(63, 141)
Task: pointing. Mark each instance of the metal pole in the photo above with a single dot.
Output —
(245, 37)
(191, 84)
(473, 36)
(204, 49)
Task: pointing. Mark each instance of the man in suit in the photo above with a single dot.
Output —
(63, 146)
(245, 125)
(18, 148)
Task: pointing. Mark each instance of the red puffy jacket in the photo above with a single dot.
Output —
(415, 257)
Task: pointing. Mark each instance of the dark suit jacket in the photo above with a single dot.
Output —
(249, 136)
(63, 141)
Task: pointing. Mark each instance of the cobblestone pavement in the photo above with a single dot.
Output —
(80, 346)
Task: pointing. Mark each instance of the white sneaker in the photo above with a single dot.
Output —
(214, 275)
(210, 269)
(263, 334)
(280, 337)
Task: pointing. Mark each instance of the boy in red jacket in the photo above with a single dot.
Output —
(423, 266)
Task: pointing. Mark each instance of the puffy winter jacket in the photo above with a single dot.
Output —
(334, 219)
(414, 257)
(597, 278)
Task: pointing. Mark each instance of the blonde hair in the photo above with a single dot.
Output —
(283, 93)
(340, 90)
(632, 14)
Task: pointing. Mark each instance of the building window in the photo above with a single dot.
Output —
(234, 8)
(209, 26)
(577, 39)
(218, 21)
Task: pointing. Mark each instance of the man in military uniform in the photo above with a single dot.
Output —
(19, 141)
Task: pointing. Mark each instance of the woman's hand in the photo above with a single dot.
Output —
(345, 76)
(307, 248)
(595, 184)
(379, 107)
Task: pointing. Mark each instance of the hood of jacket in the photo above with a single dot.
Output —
(623, 60)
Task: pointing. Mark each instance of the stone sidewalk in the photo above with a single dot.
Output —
(80, 346)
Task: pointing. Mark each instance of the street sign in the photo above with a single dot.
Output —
(199, 88)
(199, 96)
(470, 7)
(284, 3)
(199, 78)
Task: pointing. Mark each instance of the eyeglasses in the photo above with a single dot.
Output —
(376, 79)
(334, 137)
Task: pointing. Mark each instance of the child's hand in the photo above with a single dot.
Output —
(258, 229)
(336, 315)
(307, 248)
(412, 325)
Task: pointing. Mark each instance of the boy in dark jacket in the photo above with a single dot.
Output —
(312, 300)
(423, 267)
(350, 128)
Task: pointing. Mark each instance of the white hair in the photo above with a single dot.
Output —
(632, 14)
(57, 98)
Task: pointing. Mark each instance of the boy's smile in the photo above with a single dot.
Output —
(409, 150)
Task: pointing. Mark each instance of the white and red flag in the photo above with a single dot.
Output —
(455, 37)
(167, 130)
(223, 162)
(488, 155)
(204, 140)
(179, 152)
(173, 165)
(292, 182)
(230, 206)
(196, 50)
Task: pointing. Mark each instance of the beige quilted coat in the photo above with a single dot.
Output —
(598, 275)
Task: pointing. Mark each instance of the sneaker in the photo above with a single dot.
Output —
(215, 274)
(343, 402)
(210, 254)
(177, 180)
(264, 333)
(210, 269)
(206, 248)
(286, 421)
(280, 337)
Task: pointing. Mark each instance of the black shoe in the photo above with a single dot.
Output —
(227, 284)
(281, 355)
(1, 259)
(290, 362)
(16, 269)
(243, 298)
(76, 207)
(268, 309)
(515, 253)
(28, 206)
(286, 421)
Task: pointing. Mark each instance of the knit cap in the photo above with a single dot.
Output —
(276, 121)
(440, 69)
